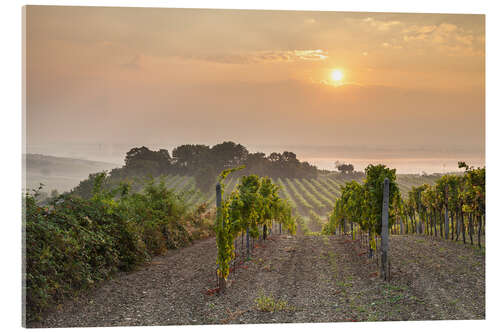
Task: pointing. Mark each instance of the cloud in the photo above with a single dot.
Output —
(446, 37)
(416, 29)
(265, 57)
(443, 33)
(380, 25)
(389, 45)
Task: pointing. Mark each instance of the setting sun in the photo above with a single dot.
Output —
(337, 75)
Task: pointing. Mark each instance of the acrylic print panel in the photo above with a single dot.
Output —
(198, 166)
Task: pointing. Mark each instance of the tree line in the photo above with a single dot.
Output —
(204, 163)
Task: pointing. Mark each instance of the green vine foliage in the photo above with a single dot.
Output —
(255, 202)
(425, 205)
(224, 233)
(456, 194)
(362, 203)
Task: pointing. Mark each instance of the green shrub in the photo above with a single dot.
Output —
(73, 242)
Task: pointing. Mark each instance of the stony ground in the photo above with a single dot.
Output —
(306, 278)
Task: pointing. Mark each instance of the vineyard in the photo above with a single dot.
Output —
(319, 237)
(305, 195)
(452, 208)
(314, 199)
(369, 211)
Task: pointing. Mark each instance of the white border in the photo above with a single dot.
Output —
(11, 139)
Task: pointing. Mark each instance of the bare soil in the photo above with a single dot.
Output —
(316, 278)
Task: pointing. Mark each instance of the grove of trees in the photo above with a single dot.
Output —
(204, 163)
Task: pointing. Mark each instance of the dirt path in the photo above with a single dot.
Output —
(318, 278)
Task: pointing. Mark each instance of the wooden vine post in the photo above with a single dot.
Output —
(385, 232)
(446, 219)
(218, 200)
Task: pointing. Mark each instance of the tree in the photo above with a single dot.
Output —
(143, 161)
(190, 158)
(228, 155)
(344, 168)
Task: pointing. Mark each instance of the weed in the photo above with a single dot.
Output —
(269, 304)
(391, 287)
(395, 299)
(343, 284)
(360, 308)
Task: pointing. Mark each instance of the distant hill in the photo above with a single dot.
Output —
(60, 173)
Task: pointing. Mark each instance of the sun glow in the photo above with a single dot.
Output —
(337, 75)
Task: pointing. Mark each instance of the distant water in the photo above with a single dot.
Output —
(402, 165)
(413, 160)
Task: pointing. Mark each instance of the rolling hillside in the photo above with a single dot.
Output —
(59, 173)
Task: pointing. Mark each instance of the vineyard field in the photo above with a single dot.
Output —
(305, 195)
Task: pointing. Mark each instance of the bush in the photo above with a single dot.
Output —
(73, 243)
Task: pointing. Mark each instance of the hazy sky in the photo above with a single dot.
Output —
(139, 76)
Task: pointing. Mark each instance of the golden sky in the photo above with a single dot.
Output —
(137, 75)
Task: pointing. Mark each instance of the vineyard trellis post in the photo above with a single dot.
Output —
(385, 231)
(218, 200)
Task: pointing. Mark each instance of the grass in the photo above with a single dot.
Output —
(343, 284)
(266, 303)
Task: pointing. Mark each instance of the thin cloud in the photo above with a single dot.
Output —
(380, 25)
(448, 38)
(265, 57)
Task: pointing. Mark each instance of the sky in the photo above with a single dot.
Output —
(164, 77)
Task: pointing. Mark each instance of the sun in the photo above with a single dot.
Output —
(337, 75)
